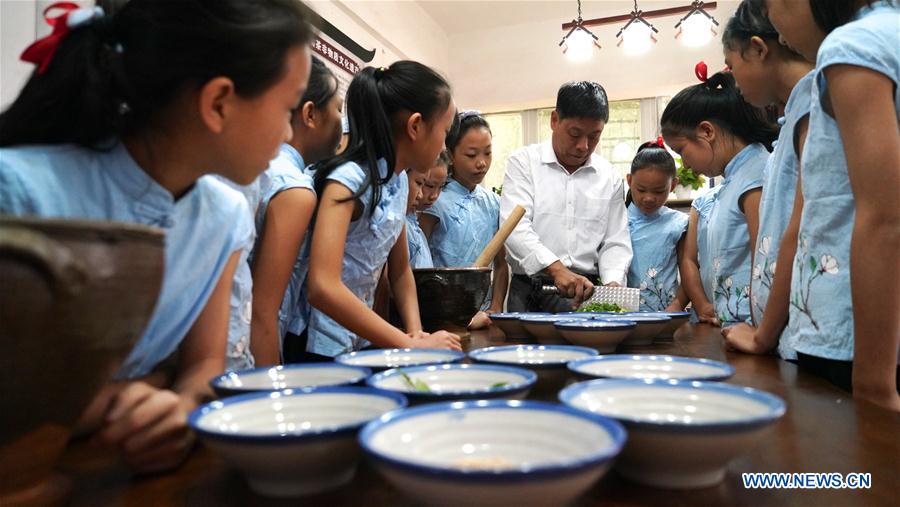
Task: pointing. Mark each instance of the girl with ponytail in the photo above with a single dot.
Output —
(123, 116)
(399, 117)
(718, 134)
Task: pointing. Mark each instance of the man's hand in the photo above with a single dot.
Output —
(570, 285)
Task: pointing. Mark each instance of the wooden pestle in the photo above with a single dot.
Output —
(490, 251)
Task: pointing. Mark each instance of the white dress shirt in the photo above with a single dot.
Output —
(578, 218)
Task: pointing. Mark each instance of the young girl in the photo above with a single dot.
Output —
(119, 123)
(434, 183)
(399, 116)
(657, 232)
(770, 74)
(843, 319)
(466, 216)
(419, 251)
(285, 211)
(717, 133)
(696, 253)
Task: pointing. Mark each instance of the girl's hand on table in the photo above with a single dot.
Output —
(742, 338)
(481, 320)
(149, 426)
(707, 313)
(436, 340)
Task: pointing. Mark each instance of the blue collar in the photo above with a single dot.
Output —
(149, 199)
(637, 214)
(749, 151)
(295, 156)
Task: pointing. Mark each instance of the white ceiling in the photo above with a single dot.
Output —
(461, 16)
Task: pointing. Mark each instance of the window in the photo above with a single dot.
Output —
(507, 138)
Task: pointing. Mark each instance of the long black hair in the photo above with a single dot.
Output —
(651, 155)
(322, 86)
(750, 20)
(718, 101)
(830, 14)
(116, 74)
(374, 98)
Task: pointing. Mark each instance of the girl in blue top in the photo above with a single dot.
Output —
(717, 133)
(769, 73)
(843, 321)
(466, 216)
(419, 251)
(657, 232)
(399, 117)
(285, 211)
(120, 123)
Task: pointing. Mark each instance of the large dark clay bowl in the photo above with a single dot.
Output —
(449, 297)
(74, 298)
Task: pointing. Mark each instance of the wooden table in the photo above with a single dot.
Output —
(824, 430)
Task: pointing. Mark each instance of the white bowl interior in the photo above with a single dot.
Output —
(451, 380)
(672, 404)
(646, 368)
(490, 439)
(397, 358)
(279, 415)
(534, 355)
(291, 378)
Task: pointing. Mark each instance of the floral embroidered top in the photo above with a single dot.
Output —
(779, 189)
(821, 314)
(728, 237)
(654, 267)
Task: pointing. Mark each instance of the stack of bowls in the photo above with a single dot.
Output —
(601, 335)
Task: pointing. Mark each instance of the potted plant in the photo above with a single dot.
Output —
(687, 180)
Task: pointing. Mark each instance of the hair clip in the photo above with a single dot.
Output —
(660, 142)
(41, 51)
(468, 113)
(700, 70)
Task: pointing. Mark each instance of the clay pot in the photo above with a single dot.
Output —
(75, 297)
(449, 297)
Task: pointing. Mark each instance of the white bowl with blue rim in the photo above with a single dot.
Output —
(681, 434)
(292, 443)
(601, 335)
(547, 361)
(291, 376)
(676, 320)
(383, 359)
(492, 452)
(446, 382)
(508, 322)
(649, 326)
(541, 327)
(626, 366)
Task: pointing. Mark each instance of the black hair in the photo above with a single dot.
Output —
(719, 102)
(443, 159)
(116, 74)
(830, 14)
(322, 86)
(463, 123)
(750, 20)
(582, 99)
(651, 155)
(374, 98)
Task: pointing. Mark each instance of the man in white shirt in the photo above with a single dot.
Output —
(575, 228)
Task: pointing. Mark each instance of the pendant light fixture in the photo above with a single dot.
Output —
(637, 35)
(578, 44)
(696, 28)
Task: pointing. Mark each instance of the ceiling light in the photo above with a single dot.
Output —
(697, 28)
(636, 36)
(579, 42)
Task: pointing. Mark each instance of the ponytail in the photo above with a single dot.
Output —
(652, 155)
(718, 101)
(374, 98)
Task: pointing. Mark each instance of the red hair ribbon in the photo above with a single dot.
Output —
(660, 142)
(700, 70)
(41, 51)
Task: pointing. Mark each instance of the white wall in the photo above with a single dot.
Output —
(521, 66)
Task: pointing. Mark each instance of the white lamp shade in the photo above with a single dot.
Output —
(696, 30)
(579, 46)
(637, 38)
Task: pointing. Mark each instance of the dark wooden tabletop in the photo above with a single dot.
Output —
(824, 430)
